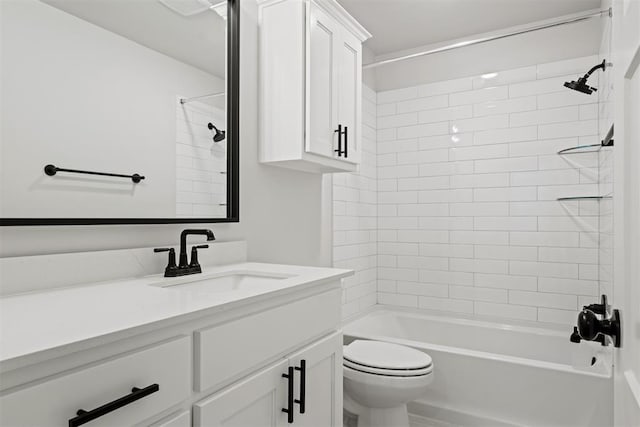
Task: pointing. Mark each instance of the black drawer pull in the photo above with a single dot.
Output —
(289, 409)
(303, 385)
(84, 417)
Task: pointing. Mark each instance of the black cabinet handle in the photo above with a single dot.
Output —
(339, 150)
(346, 142)
(303, 385)
(341, 132)
(84, 417)
(289, 409)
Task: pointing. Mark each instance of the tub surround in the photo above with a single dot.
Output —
(355, 219)
(468, 176)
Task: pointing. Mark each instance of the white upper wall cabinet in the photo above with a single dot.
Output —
(310, 85)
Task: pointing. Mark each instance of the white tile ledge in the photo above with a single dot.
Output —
(40, 321)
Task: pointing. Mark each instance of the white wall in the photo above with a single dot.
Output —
(81, 97)
(355, 226)
(468, 178)
(605, 161)
(568, 41)
(285, 216)
(626, 60)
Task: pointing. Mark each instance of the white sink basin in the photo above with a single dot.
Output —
(224, 282)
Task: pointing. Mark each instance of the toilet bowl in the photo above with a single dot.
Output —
(380, 379)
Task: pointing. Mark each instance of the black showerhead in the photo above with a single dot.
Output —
(581, 85)
(220, 134)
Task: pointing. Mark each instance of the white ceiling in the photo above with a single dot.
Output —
(198, 40)
(405, 24)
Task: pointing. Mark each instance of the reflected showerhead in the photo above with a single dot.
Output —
(581, 85)
(220, 134)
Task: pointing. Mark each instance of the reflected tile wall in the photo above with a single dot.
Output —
(201, 166)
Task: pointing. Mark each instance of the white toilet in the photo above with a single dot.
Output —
(380, 379)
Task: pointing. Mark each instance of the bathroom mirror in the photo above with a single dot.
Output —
(119, 111)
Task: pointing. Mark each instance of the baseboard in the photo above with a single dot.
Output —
(634, 386)
(448, 416)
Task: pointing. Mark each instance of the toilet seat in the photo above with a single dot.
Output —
(388, 372)
(386, 359)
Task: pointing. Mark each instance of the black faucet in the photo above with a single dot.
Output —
(184, 263)
(185, 267)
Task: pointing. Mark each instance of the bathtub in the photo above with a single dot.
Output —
(490, 373)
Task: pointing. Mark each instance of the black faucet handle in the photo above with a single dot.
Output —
(171, 263)
(194, 256)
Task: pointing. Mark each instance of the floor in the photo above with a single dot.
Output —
(418, 421)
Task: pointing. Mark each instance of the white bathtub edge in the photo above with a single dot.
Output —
(491, 356)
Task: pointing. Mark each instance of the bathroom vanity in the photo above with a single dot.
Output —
(240, 344)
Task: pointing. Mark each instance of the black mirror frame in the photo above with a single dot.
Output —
(233, 148)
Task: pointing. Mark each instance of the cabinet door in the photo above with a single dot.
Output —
(349, 94)
(323, 383)
(322, 91)
(256, 401)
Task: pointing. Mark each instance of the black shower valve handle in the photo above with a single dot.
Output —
(602, 308)
(575, 336)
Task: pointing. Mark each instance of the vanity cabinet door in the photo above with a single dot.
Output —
(256, 401)
(322, 376)
(324, 35)
(349, 95)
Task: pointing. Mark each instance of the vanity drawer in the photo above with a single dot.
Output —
(55, 401)
(230, 349)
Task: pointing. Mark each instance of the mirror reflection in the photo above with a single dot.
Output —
(114, 109)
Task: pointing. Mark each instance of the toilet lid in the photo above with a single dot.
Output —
(385, 356)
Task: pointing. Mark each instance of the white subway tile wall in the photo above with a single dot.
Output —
(355, 221)
(201, 165)
(467, 214)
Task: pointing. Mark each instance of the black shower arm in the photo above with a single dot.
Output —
(603, 65)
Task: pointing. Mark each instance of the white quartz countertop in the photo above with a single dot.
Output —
(40, 321)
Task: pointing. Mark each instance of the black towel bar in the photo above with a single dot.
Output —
(51, 170)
